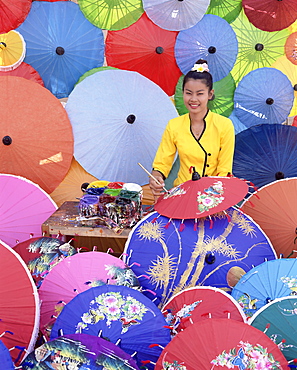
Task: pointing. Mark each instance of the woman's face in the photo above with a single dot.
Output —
(196, 95)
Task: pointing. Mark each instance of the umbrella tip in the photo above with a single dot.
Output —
(279, 175)
(195, 174)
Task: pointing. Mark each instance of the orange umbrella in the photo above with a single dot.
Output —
(70, 188)
(273, 208)
(291, 48)
(35, 133)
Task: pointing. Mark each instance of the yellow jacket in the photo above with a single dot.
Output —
(211, 154)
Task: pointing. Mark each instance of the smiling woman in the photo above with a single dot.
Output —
(201, 138)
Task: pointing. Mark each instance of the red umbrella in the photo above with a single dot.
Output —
(201, 198)
(270, 15)
(26, 71)
(13, 13)
(145, 48)
(291, 48)
(199, 303)
(19, 309)
(220, 344)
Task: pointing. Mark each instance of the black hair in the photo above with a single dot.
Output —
(205, 76)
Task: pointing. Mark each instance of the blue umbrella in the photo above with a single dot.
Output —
(5, 358)
(266, 282)
(118, 118)
(212, 39)
(264, 95)
(61, 44)
(119, 314)
(179, 254)
(265, 153)
(278, 320)
(175, 15)
(238, 125)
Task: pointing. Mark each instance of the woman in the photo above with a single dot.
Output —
(201, 138)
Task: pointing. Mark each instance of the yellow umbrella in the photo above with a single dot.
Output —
(70, 188)
(12, 50)
(290, 70)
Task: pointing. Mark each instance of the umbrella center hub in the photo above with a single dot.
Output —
(259, 47)
(159, 50)
(2, 45)
(60, 50)
(131, 118)
(212, 49)
(295, 87)
(269, 101)
(7, 140)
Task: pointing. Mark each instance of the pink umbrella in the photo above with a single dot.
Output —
(19, 309)
(76, 274)
(24, 207)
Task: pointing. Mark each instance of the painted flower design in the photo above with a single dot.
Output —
(247, 356)
(291, 283)
(173, 366)
(111, 307)
(210, 197)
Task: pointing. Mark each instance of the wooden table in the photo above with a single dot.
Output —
(64, 222)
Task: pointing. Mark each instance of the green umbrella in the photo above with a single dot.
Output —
(222, 103)
(227, 9)
(278, 320)
(92, 71)
(256, 48)
(111, 14)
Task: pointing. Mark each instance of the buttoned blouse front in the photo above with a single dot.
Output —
(211, 154)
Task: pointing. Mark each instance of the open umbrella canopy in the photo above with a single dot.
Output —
(178, 254)
(111, 15)
(223, 344)
(175, 15)
(270, 15)
(117, 313)
(41, 254)
(273, 207)
(265, 153)
(35, 131)
(61, 44)
(200, 303)
(278, 320)
(145, 48)
(12, 50)
(77, 274)
(121, 125)
(82, 351)
(238, 125)
(227, 9)
(266, 282)
(26, 71)
(200, 198)
(24, 207)
(264, 95)
(290, 70)
(256, 48)
(223, 96)
(13, 13)
(212, 39)
(19, 309)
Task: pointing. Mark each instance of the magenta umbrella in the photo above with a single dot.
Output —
(76, 274)
(24, 207)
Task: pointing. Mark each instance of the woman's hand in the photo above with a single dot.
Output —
(154, 186)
